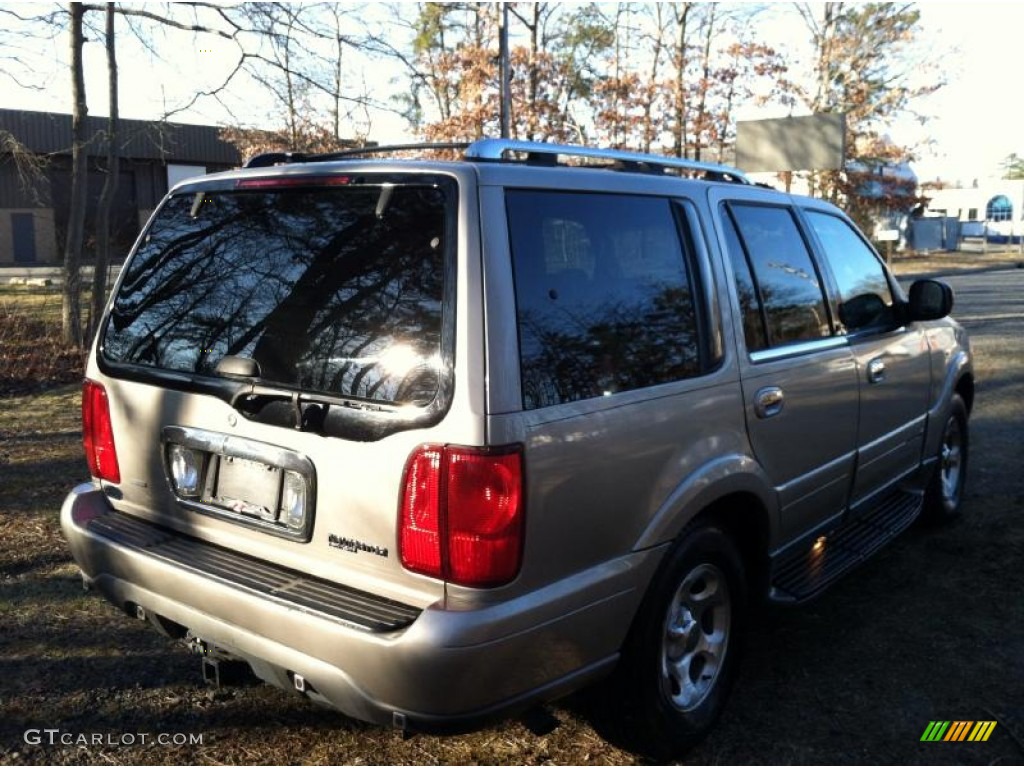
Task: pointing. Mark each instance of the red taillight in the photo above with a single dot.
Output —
(420, 529)
(98, 433)
(462, 514)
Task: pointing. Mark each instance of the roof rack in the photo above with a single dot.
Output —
(532, 152)
(275, 158)
(548, 154)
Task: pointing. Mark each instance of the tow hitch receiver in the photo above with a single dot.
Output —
(220, 669)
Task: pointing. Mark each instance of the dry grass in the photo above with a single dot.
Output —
(946, 263)
(32, 356)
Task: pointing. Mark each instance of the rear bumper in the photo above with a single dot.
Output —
(441, 668)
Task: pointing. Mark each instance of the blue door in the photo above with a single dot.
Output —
(23, 228)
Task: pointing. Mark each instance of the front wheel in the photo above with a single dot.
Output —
(681, 657)
(945, 493)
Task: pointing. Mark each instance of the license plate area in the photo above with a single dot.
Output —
(246, 487)
(254, 484)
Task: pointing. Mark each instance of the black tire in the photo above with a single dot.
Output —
(681, 656)
(945, 494)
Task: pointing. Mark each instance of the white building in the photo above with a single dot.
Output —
(993, 208)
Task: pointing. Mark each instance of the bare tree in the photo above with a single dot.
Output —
(22, 39)
(681, 12)
(71, 311)
(29, 167)
(101, 265)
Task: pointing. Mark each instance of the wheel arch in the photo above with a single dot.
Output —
(733, 528)
(735, 476)
(965, 388)
(743, 518)
(958, 380)
(733, 494)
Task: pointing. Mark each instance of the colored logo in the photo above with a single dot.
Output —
(958, 730)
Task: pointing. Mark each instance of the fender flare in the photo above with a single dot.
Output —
(958, 367)
(726, 475)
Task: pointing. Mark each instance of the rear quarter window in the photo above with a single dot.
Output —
(604, 296)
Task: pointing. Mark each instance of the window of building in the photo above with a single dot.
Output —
(999, 208)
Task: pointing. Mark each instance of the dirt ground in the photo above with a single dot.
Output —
(931, 629)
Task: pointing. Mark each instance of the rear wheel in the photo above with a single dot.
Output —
(681, 657)
(945, 493)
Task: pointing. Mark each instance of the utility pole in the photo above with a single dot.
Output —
(504, 73)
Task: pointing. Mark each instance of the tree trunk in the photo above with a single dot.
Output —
(701, 120)
(679, 134)
(99, 275)
(293, 111)
(534, 76)
(339, 75)
(659, 42)
(71, 309)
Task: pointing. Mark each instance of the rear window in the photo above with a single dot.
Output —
(332, 289)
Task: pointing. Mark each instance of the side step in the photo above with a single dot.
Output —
(801, 574)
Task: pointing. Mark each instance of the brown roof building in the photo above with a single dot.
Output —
(34, 193)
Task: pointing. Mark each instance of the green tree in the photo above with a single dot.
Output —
(1013, 166)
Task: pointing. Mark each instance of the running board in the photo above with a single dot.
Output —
(802, 574)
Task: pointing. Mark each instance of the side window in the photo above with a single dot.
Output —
(603, 295)
(750, 304)
(780, 272)
(865, 298)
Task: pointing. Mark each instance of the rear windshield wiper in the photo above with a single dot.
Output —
(307, 412)
(284, 406)
(236, 365)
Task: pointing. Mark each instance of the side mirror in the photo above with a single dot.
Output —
(929, 300)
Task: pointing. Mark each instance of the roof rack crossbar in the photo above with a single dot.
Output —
(273, 158)
(497, 149)
(267, 159)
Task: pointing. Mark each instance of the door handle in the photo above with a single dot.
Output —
(768, 402)
(876, 370)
